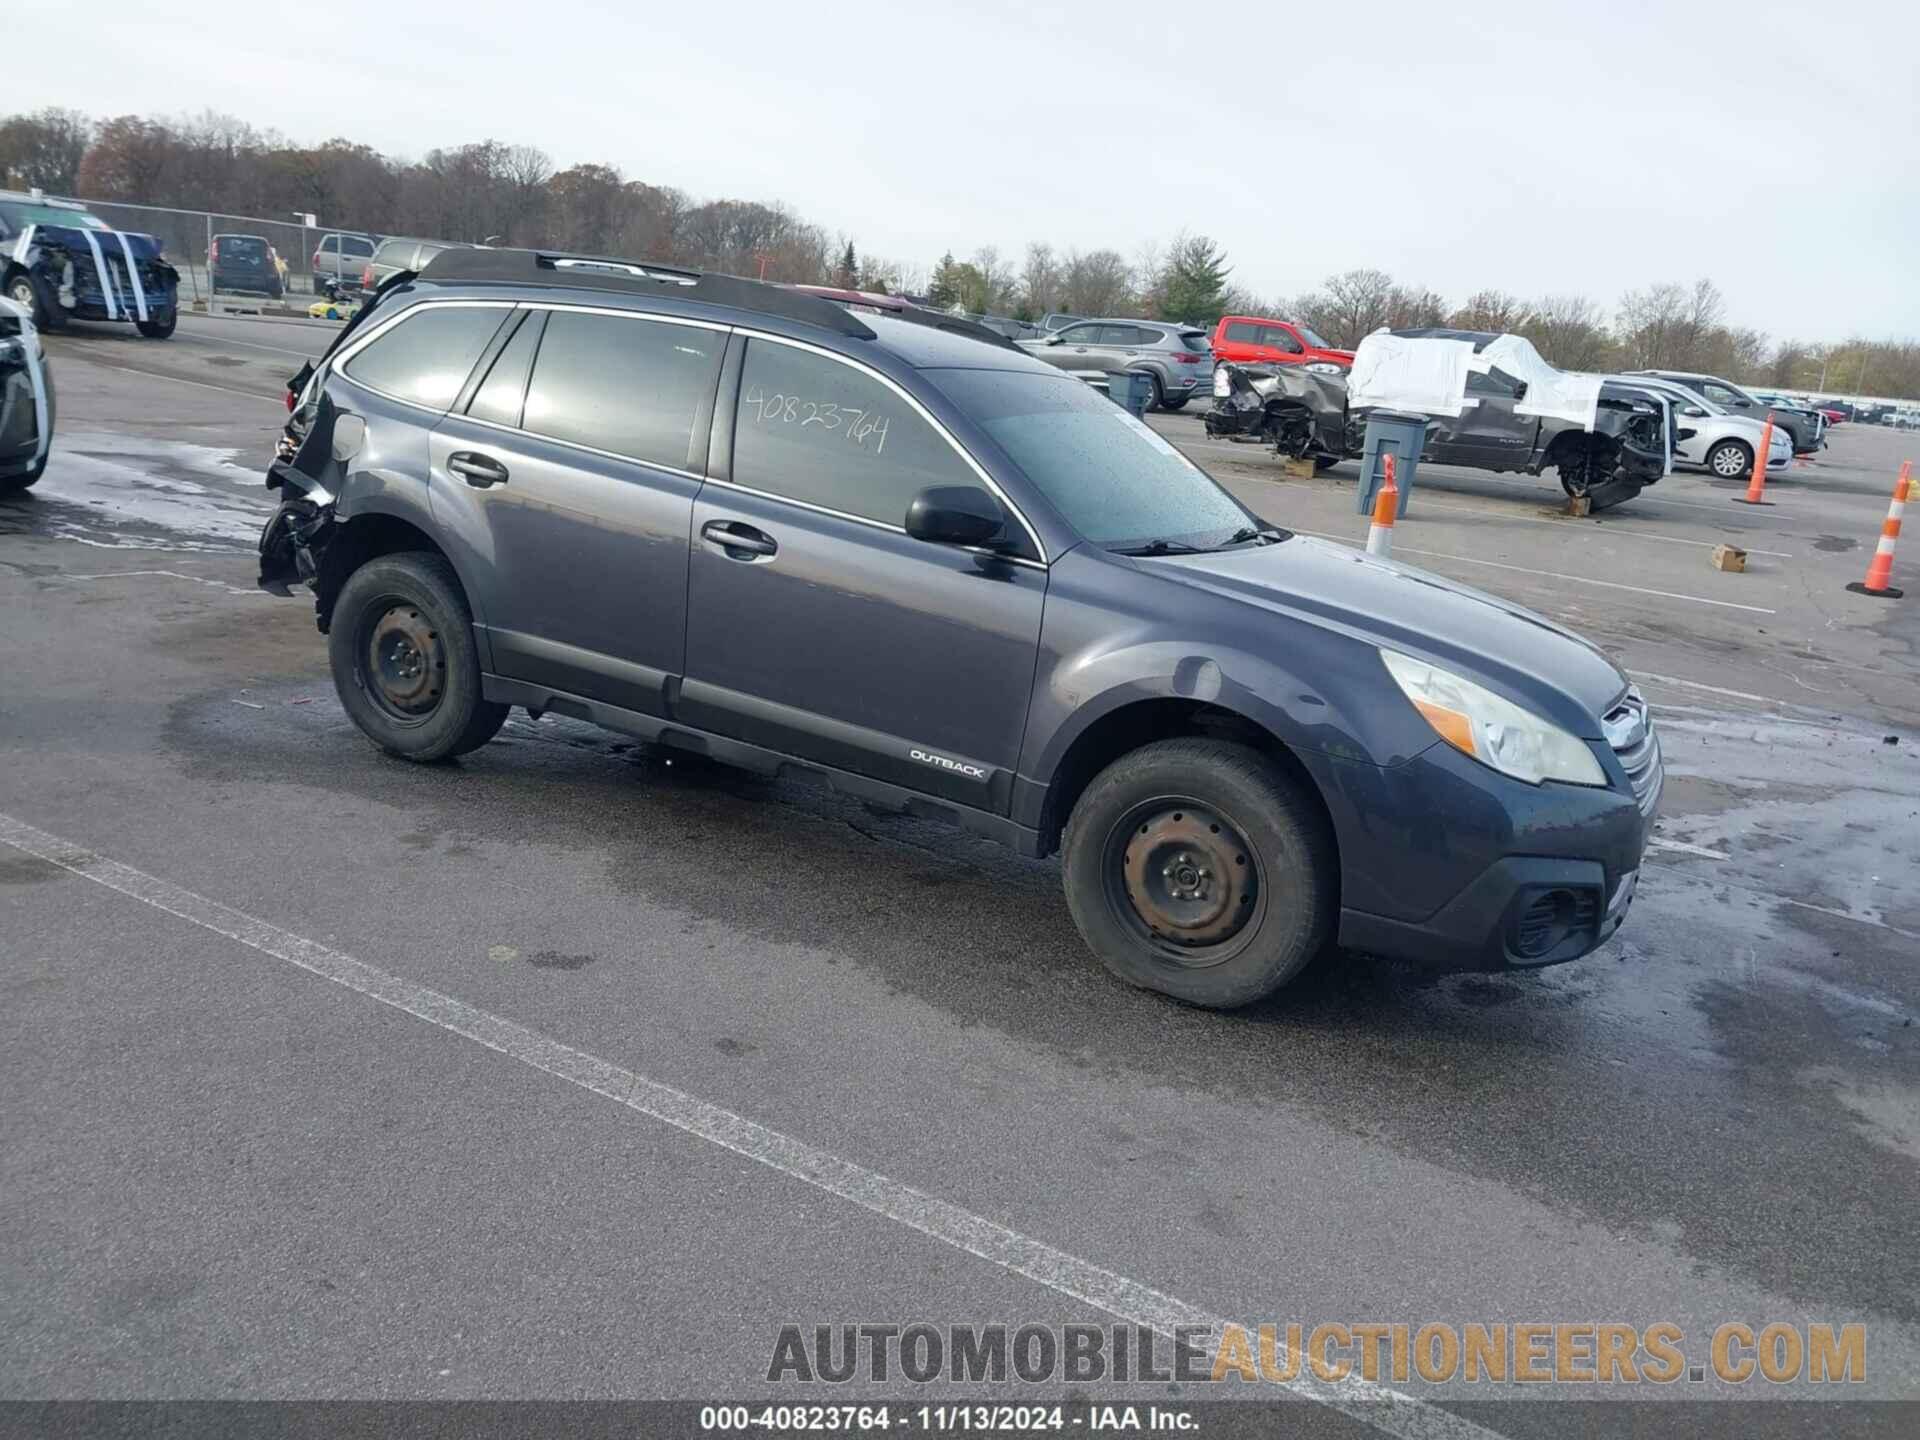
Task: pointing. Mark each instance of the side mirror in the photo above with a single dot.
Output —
(955, 515)
(1055, 338)
(1694, 412)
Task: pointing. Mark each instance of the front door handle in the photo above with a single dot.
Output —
(739, 539)
(476, 469)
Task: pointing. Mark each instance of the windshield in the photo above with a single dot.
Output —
(1111, 477)
(1306, 333)
(19, 215)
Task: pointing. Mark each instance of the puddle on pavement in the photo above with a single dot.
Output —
(126, 492)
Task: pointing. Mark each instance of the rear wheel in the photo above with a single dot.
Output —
(1155, 395)
(1198, 868)
(404, 659)
(1175, 404)
(1731, 460)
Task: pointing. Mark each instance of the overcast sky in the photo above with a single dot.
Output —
(1535, 148)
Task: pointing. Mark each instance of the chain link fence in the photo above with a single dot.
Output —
(238, 264)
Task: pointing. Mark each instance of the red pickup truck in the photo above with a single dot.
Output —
(1255, 339)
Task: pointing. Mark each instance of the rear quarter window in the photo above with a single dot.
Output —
(1244, 333)
(426, 356)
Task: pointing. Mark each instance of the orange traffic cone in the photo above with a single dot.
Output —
(1759, 481)
(1385, 503)
(1880, 568)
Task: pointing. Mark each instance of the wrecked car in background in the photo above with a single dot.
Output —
(26, 400)
(1492, 403)
(61, 263)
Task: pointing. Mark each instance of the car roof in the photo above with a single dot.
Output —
(921, 338)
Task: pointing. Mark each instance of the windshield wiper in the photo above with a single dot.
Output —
(1160, 547)
(1272, 534)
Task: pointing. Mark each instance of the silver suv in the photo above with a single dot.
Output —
(1179, 358)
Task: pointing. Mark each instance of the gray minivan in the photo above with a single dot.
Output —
(914, 563)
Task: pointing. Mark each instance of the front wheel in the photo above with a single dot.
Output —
(158, 329)
(404, 659)
(1730, 460)
(1200, 869)
(24, 293)
(15, 484)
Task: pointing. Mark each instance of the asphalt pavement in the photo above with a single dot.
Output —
(571, 1071)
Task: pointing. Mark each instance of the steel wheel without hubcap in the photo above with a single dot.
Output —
(1186, 878)
(403, 663)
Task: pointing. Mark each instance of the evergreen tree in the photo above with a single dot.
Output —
(847, 276)
(943, 290)
(1193, 285)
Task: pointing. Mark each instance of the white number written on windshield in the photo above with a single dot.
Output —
(866, 429)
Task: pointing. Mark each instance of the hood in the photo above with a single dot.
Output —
(1505, 647)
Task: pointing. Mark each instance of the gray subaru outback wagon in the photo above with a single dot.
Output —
(900, 554)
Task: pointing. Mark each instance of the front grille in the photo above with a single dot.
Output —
(1629, 730)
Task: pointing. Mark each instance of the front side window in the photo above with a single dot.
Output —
(619, 383)
(1080, 335)
(425, 358)
(813, 429)
(1281, 340)
(1314, 340)
(1114, 479)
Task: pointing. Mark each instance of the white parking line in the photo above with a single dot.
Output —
(243, 344)
(1550, 574)
(1378, 1406)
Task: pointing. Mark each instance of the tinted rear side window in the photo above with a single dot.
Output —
(427, 356)
(624, 385)
(819, 431)
(500, 395)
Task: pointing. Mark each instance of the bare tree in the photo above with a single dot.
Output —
(44, 149)
(1492, 310)
(1568, 331)
(1097, 283)
(1039, 280)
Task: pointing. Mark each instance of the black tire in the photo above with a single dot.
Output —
(24, 293)
(1175, 404)
(24, 481)
(412, 608)
(1324, 463)
(158, 329)
(1728, 454)
(1214, 811)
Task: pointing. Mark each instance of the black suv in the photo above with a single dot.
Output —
(898, 553)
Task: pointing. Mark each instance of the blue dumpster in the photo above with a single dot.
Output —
(1401, 436)
(1132, 390)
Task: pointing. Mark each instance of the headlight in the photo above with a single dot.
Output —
(1494, 731)
(1222, 386)
(1325, 367)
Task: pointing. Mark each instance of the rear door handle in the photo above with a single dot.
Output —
(476, 469)
(739, 539)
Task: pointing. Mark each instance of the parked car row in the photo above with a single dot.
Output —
(1492, 402)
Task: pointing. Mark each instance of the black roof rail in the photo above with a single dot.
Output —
(611, 273)
(606, 272)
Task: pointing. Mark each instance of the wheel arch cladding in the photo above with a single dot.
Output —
(367, 535)
(1129, 726)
